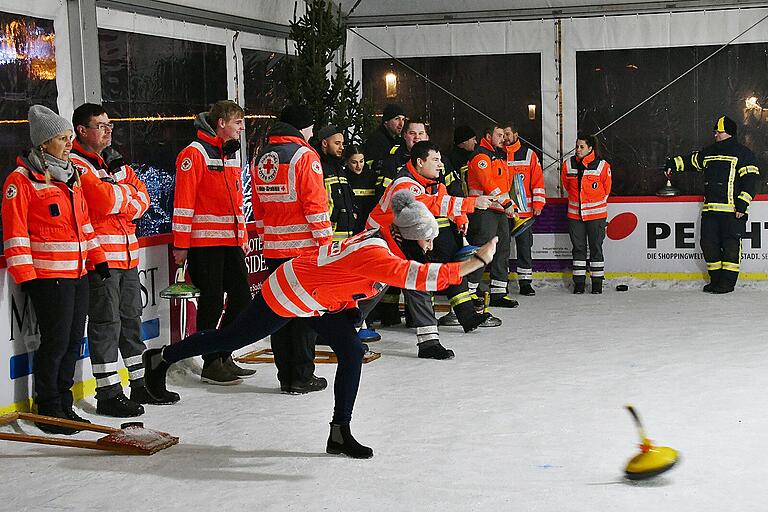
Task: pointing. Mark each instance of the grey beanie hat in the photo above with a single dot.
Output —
(45, 124)
(413, 219)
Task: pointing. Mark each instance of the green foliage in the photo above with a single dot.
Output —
(320, 37)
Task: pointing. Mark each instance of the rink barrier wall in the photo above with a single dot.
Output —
(638, 229)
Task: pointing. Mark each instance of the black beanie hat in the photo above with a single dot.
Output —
(327, 131)
(391, 111)
(727, 125)
(463, 133)
(298, 116)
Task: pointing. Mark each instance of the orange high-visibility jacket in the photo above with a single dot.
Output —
(115, 200)
(431, 193)
(587, 182)
(487, 173)
(46, 229)
(523, 161)
(334, 277)
(208, 198)
(290, 206)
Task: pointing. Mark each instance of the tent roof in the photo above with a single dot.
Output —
(398, 12)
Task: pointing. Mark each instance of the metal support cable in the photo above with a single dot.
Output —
(446, 91)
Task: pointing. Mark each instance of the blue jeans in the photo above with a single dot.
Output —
(258, 321)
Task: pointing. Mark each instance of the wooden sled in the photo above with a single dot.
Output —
(265, 355)
(131, 440)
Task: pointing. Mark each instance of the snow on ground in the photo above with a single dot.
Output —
(528, 417)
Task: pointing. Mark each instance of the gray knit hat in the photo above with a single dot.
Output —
(45, 124)
(413, 219)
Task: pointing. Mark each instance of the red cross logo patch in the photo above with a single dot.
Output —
(267, 167)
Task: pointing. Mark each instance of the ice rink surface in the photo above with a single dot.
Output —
(528, 417)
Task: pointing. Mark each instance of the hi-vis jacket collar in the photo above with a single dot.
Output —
(34, 174)
(94, 158)
(424, 181)
(514, 147)
(283, 133)
(587, 159)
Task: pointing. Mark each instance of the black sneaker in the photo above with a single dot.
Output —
(215, 372)
(140, 395)
(55, 429)
(70, 414)
(119, 407)
(341, 441)
(527, 290)
(578, 288)
(314, 383)
(503, 301)
(239, 371)
(435, 351)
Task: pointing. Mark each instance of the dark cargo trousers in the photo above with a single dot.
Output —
(216, 271)
(293, 344)
(484, 225)
(587, 239)
(61, 306)
(114, 323)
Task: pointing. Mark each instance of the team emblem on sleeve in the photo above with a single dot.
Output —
(267, 167)
(317, 167)
(416, 190)
(186, 164)
(10, 192)
(482, 164)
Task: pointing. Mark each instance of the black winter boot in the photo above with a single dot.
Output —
(714, 279)
(597, 286)
(155, 369)
(527, 289)
(432, 349)
(340, 440)
(578, 288)
(54, 412)
(468, 318)
(140, 395)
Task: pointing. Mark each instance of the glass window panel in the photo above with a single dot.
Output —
(147, 81)
(501, 86)
(677, 121)
(27, 77)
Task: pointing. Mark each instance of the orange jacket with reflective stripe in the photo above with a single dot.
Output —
(290, 206)
(523, 161)
(115, 200)
(587, 182)
(208, 198)
(487, 173)
(46, 229)
(432, 194)
(334, 277)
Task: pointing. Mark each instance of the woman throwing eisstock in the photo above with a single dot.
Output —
(325, 285)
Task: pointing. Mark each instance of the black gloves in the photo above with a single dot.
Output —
(113, 159)
(103, 270)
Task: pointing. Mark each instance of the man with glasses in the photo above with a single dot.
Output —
(116, 198)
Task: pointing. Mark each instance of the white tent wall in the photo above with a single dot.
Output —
(273, 11)
(605, 32)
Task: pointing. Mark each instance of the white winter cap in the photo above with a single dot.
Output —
(412, 218)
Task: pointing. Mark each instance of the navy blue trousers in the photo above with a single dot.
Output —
(258, 321)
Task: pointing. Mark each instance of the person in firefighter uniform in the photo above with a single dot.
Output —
(586, 179)
(341, 202)
(524, 166)
(323, 286)
(388, 135)
(209, 227)
(487, 174)
(731, 181)
(290, 210)
(49, 242)
(421, 176)
(116, 198)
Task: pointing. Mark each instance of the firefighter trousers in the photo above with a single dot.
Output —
(721, 234)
